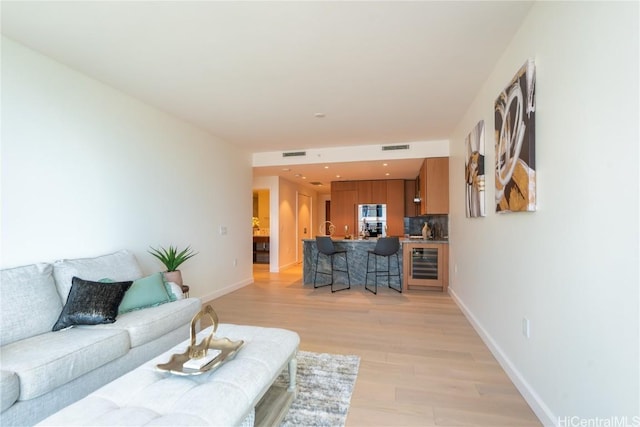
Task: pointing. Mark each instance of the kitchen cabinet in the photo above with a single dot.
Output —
(379, 191)
(372, 192)
(343, 185)
(425, 266)
(343, 210)
(394, 198)
(411, 208)
(346, 195)
(434, 186)
(364, 192)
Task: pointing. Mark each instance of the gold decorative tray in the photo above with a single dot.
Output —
(228, 349)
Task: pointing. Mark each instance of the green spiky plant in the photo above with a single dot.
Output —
(171, 258)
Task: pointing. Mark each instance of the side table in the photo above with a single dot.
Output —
(185, 290)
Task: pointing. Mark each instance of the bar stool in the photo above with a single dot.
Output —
(325, 246)
(385, 247)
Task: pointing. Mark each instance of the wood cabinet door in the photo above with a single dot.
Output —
(343, 211)
(379, 192)
(422, 179)
(437, 185)
(343, 185)
(364, 192)
(395, 207)
(409, 194)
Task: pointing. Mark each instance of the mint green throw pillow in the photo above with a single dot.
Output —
(145, 292)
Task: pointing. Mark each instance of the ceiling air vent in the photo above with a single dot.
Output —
(316, 183)
(395, 147)
(294, 154)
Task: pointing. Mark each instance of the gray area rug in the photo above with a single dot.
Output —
(325, 383)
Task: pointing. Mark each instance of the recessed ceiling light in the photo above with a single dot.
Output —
(326, 167)
(286, 170)
(387, 174)
(304, 177)
(385, 164)
(297, 175)
(337, 176)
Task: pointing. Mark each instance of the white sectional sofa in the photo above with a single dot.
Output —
(42, 371)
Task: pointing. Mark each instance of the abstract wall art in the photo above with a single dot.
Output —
(474, 172)
(515, 143)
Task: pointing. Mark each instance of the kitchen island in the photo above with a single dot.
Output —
(357, 251)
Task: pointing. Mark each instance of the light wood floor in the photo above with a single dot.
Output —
(422, 364)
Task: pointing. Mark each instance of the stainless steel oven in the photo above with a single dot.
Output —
(373, 212)
(372, 220)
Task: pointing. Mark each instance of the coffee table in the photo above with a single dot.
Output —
(239, 392)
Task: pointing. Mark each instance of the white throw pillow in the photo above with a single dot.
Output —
(119, 266)
(176, 290)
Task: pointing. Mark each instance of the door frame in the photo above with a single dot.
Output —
(300, 198)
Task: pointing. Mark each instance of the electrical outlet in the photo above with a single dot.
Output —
(223, 230)
(235, 262)
(526, 327)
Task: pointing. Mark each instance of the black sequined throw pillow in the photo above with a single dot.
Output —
(91, 303)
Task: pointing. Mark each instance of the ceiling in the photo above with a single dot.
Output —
(319, 176)
(258, 74)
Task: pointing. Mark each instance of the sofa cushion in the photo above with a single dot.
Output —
(69, 354)
(91, 303)
(9, 389)
(119, 266)
(145, 292)
(30, 303)
(151, 323)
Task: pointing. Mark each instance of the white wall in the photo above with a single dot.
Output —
(87, 170)
(571, 268)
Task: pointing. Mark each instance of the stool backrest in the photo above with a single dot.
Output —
(387, 246)
(325, 245)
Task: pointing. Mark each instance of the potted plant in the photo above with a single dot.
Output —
(172, 259)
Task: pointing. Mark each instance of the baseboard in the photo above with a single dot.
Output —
(536, 403)
(226, 290)
(291, 264)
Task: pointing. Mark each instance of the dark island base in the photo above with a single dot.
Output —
(357, 251)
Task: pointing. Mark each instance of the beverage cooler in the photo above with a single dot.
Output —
(425, 266)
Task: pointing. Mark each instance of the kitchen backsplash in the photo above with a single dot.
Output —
(439, 225)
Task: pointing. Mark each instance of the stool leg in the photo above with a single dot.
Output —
(375, 262)
(315, 276)
(366, 277)
(346, 261)
(389, 271)
(399, 289)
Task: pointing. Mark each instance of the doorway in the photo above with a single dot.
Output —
(304, 223)
(261, 227)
